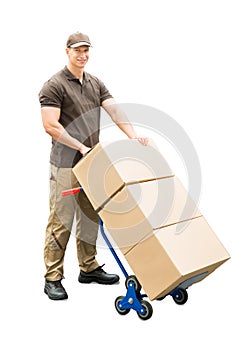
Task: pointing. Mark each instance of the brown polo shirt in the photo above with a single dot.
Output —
(80, 111)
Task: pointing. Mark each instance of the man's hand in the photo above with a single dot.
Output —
(83, 149)
(142, 139)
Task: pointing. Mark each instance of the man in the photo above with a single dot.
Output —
(70, 107)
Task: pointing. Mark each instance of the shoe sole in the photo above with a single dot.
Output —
(55, 298)
(95, 280)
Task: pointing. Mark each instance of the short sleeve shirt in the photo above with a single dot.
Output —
(79, 111)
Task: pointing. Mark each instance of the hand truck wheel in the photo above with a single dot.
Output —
(180, 296)
(137, 285)
(120, 310)
(147, 310)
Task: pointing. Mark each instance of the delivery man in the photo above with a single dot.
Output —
(70, 107)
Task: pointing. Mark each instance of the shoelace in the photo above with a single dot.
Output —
(100, 268)
(57, 284)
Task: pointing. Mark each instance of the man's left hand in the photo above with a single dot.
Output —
(142, 139)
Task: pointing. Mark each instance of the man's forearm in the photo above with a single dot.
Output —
(127, 128)
(66, 139)
(50, 117)
(59, 134)
(120, 119)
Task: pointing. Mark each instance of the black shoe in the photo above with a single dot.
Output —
(98, 276)
(55, 290)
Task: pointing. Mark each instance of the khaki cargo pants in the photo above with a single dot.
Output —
(60, 225)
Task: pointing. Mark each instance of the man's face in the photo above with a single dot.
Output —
(78, 56)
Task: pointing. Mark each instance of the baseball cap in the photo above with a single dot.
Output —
(78, 39)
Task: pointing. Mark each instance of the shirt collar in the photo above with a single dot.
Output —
(70, 76)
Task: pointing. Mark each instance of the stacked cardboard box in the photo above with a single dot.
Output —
(150, 216)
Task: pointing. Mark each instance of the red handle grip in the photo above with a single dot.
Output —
(71, 191)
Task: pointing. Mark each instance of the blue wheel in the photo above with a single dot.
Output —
(120, 310)
(133, 279)
(147, 310)
(180, 296)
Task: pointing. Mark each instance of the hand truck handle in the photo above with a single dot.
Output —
(71, 191)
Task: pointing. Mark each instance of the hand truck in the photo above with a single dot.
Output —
(134, 299)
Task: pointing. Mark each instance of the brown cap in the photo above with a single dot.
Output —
(78, 39)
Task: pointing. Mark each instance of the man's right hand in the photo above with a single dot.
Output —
(83, 149)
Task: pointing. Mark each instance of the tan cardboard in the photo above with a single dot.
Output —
(135, 211)
(150, 216)
(109, 166)
(175, 254)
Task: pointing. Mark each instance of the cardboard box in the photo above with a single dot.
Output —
(182, 253)
(150, 216)
(139, 208)
(109, 166)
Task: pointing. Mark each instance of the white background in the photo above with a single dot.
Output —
(190, 59)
